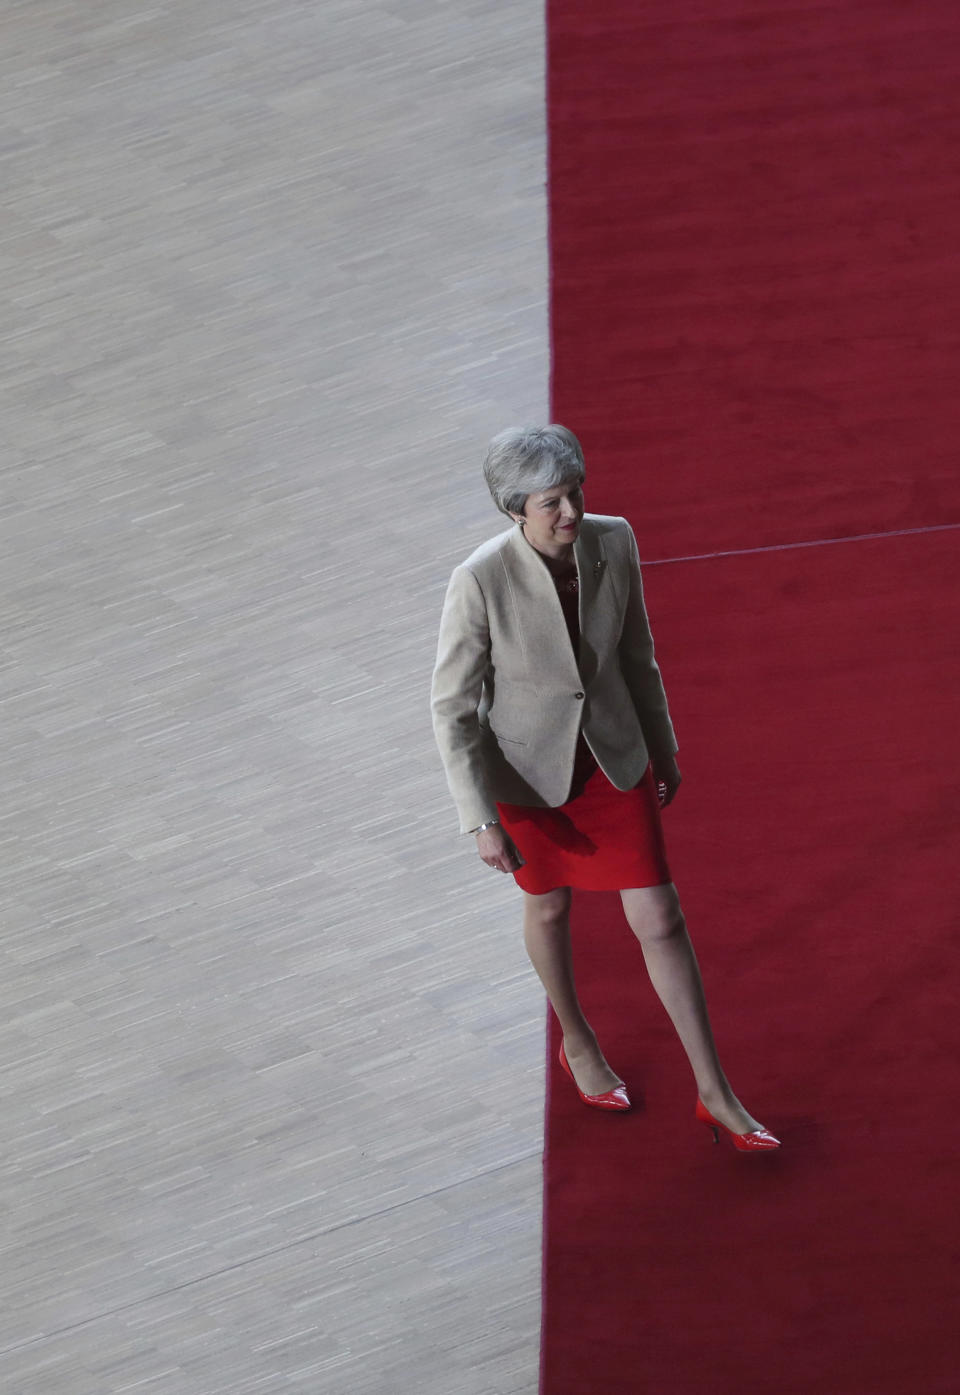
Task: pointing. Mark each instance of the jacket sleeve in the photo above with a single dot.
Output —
(463, 657)
(639, 666)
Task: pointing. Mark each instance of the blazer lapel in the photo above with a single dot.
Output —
(594, 592)
(539, 615)
(591, 566)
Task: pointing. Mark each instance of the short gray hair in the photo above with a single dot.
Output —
(524, 460)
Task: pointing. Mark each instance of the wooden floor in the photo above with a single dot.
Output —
(270, 1049)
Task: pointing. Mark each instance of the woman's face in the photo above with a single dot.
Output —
(552, 518)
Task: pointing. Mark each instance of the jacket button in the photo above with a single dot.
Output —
(578, 695)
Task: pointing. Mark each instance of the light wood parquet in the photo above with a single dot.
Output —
(270, 1049)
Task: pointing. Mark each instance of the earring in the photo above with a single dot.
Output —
(521, 522)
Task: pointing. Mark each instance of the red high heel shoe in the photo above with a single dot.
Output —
(610, 1099)
(759, 1141)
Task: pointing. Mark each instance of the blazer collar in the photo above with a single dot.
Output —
(591, 564)
(588, 554)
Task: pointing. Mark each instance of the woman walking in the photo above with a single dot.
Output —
(553, 726)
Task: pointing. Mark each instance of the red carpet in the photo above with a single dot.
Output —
(755, 285)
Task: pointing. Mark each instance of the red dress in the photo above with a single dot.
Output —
(602, 838)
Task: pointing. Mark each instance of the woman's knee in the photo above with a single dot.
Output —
(654, 913)
(551, 910)
(664, 927)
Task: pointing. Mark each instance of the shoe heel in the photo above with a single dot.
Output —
(757, 1141)
(616, 1099)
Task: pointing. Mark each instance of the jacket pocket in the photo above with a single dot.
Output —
(507, 740)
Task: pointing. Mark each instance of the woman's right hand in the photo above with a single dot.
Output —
(497, 850)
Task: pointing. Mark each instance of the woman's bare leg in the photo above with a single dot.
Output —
(655, 917)
(546, 933)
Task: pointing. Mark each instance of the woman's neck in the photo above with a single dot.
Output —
(561, 553)
(558, 566)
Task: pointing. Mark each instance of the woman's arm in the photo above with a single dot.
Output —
(463, 658)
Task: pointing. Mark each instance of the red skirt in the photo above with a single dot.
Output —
(605, 839)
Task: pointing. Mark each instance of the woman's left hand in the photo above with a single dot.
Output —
(666, 774)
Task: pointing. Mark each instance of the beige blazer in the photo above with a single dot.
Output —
(509, 699)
